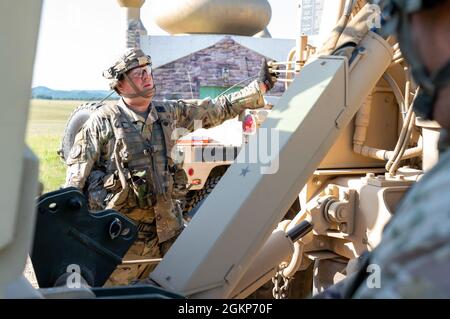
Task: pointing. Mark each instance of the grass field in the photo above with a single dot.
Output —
(44, 131)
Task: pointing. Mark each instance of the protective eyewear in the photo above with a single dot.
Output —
(138, 73)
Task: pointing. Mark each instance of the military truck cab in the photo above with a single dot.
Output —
(209, 152)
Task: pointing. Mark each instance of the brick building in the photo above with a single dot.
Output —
(205, 65)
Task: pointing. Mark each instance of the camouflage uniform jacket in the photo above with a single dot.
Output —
(414, 254)
(95, 145)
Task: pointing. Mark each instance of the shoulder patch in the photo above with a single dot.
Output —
(108, 110)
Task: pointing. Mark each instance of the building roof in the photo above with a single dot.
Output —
(165, 49)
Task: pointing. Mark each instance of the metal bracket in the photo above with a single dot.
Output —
(69, 237)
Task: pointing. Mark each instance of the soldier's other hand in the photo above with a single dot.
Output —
(267, 74)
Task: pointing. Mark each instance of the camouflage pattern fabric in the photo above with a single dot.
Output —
(132, 58)
(414, 254)
(127, 274)
(148, 248)
(93, 145)
(91, 164)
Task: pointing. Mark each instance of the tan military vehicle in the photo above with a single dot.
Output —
(208, 153)
(347, 146)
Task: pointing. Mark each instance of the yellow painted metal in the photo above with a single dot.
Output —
(213, 16)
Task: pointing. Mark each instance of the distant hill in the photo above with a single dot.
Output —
(44, 93)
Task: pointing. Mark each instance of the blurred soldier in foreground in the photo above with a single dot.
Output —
(124, 156)
(413, 258)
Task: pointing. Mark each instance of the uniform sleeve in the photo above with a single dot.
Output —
(413, 258)
(212, 112)
(417, 274)
(86, 150)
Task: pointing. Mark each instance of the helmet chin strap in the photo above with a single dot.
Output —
(146, 93)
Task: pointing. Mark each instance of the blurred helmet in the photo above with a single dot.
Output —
(396, 15)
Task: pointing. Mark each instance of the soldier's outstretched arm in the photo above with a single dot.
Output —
(212, 112)
(86, 150)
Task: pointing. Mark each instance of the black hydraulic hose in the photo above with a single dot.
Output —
(300, 230)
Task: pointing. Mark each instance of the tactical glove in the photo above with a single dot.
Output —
(267, 74)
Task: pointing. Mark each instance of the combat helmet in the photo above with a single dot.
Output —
(396, 15)
(132, 58)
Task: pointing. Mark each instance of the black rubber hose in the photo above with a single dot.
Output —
(300, 230)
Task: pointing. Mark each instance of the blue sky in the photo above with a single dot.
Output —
(79, 38)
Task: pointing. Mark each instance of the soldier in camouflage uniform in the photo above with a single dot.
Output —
(414, 254)
(124, 156)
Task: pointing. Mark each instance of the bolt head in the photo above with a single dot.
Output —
(341, 213)
(75, 204)
(343, 227)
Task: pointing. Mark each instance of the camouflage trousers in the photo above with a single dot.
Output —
(141, 249)
(127, 274)
(147, 246)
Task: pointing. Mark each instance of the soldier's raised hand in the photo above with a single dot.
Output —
(267, 74)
